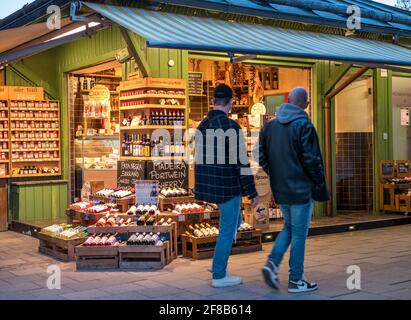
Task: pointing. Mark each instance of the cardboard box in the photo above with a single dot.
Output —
(257, 217)
(90, 187)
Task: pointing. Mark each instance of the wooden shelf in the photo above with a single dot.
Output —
(34, 109)
(29, 150)
(35, 175)
(4, 161)
(4, 109)
(154, 158)
(4, 140)
(152, 106)
(96, 75)
(36, 160)
(34, 119)
(111, 92)
(37, 139)
(36, 129)
(149, 127)
(4, 119)
(4, 129)
(153, 96)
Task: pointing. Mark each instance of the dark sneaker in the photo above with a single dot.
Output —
(270, 274)
(301, 286)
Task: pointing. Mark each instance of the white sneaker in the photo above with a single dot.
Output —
(228, 281)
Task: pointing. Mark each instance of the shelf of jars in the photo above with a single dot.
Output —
(150, 104)
(4, 140)
(34, 133)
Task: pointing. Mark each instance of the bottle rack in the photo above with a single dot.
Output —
(146, 105)
(29, 138)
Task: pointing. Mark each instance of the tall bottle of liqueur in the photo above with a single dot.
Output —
(124, 146)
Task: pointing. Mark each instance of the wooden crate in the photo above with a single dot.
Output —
(92, 258)
(404, 203)
(144, 257)
(184, 220)
(164, 203)
(171, 230)
(390, 195)
(58, 248)
(122, 203)
(203, 248)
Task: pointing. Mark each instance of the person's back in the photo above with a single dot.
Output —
(287, 137)
(289, 153)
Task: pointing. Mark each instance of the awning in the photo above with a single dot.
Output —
(168, 30)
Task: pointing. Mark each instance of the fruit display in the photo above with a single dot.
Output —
(102, 240)
(173, 192)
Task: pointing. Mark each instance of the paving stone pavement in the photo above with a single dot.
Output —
(383, 255)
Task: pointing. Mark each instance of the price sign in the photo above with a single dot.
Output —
(195, 83)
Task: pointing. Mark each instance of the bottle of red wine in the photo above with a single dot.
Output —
(142, 220)
(150, 221)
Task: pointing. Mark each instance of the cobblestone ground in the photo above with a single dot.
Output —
(383, 255)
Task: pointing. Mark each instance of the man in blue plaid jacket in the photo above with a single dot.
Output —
(223, 176)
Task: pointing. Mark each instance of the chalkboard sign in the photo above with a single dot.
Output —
(168, 173)
(128, 172)
(195, 83)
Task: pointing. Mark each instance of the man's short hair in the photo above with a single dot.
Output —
(222, 95)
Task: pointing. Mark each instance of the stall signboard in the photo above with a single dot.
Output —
(147, 192)
(98, 103)
(195, 83)
(25, 93)
(129, 172)
(4, 93)
(168, 173)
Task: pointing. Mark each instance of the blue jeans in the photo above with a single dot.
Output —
(230, 220)
(296, 224)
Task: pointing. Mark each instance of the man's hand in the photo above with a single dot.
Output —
(254, 202)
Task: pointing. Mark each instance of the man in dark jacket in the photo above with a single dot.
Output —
(223, 176)
(290, 154)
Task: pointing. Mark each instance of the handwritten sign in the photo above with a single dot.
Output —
(195, 83)
(129, 172)
(168, 173)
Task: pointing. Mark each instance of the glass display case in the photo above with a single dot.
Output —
(96, 160)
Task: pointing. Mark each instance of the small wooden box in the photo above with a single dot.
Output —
(58, 248)
(144, 257)
(95, 257)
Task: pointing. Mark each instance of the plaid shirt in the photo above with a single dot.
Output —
(222, 170)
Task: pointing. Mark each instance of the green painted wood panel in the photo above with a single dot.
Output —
(37, 202)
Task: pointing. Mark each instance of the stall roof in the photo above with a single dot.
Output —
(168, 30)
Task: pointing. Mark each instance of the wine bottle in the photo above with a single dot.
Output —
(140, 238)
(142, 220)
(147, 239)
(161, 222)
(169, 221)
(150, 221)
(196, 232)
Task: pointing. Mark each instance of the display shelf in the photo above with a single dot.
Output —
(4, 119)
(34, 109)
(4, 129)
(37, 139)
(152, 106)
(35, 129)
(4, 109)
(35, 175)
(97, 137)
(151, 127)
(34, 119)
(4, 140)
(4, 161)
(45, 149)
(153, 96)
(36, 160)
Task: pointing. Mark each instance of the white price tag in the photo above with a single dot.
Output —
(181, 218)
(206, 215)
